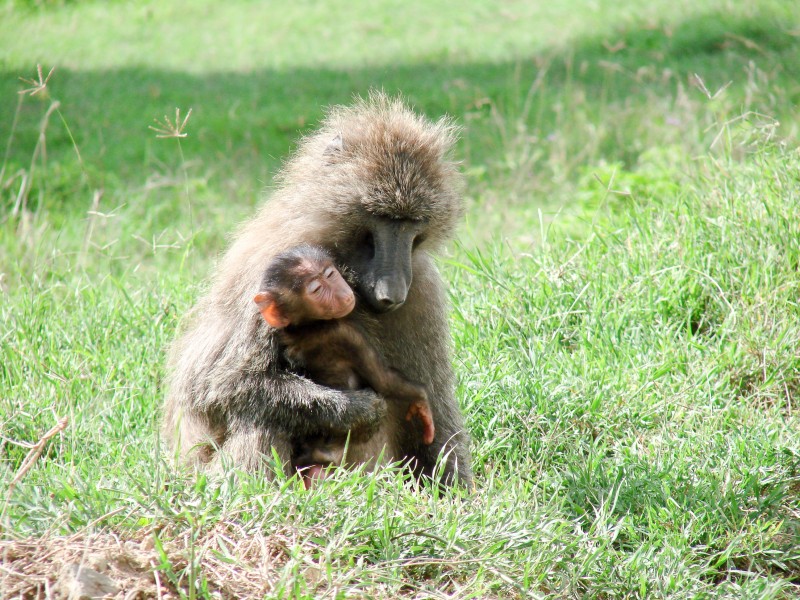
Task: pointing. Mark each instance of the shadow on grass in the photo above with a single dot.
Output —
(243, 123)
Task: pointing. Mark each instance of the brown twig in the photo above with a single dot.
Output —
(34, 453)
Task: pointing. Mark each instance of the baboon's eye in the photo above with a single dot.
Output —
(314, 287)
(329, 272)
(368, 244)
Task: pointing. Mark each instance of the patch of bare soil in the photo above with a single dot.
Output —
(228, 563)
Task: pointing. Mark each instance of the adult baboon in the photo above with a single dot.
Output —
(375, 187)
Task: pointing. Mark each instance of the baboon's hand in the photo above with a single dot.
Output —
(364, 414)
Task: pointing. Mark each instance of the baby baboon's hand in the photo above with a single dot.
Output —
(421, 409)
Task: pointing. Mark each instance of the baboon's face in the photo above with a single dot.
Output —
(380, 258)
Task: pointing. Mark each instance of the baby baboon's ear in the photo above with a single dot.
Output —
(270, 310)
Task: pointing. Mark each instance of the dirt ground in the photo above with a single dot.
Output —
(226, 564)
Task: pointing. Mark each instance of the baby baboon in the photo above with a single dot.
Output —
(305, 298)
(376, 189)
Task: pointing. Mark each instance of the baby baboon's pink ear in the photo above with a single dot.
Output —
(270, 311)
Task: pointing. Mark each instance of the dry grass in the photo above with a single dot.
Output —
(143, 566)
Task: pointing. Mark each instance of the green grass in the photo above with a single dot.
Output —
(625, 294)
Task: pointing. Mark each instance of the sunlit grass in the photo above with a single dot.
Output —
(624, 297)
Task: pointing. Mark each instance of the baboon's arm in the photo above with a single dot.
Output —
(299, 407)
(224, 379)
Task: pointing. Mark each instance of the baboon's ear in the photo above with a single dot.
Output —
(335, 146)
(270, 311)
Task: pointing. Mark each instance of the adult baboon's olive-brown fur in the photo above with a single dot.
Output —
(374, 167)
